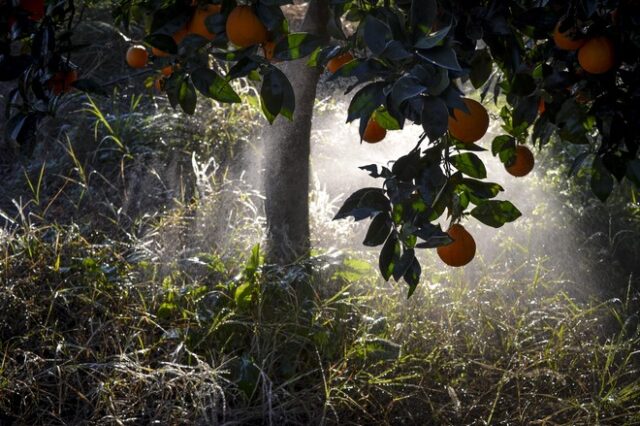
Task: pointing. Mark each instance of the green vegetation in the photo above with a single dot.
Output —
(133, 282)
(172, 316)
(100, 332)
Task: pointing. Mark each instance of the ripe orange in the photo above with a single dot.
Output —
(34, 7)
(158, 53)
(374, 132)
(472, 126)
(337, 62)
(461, 251)
(597, 56)
(197, 23)
(167, 71)
(179, 35)
(269, 49)
(62, 81)
(137, 56)
(159, 84)
(567, 40)
(244, 28)
(541, 106)
(523, 163)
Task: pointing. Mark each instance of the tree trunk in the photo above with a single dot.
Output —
(286, 159)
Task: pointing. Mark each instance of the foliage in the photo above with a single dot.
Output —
(96, 332)
(412, 60)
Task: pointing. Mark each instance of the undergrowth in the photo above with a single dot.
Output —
(99, 331)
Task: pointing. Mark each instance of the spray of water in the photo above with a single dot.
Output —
(542, 240)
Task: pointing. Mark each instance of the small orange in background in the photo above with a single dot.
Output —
(197, 25)
(523, 163)
(374, 132)
(567, 40)
(137, 56)
(461, 251)
(542, 107)
(469, 127)
(597, 56)
(269, 49)
(158, 53)
(244, 28)
(339, 61)
(159, 84)
(167, 71)
(179, 35)
(62, 81)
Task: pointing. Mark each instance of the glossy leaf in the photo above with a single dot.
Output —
(496, 213)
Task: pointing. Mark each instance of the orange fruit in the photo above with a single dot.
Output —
(472, 126)
(523, 164)
(269, 49)
(337, 62)
(374, 132)
(461, 251)
(541, 106)
(62, 81)
(197, 23)
(179, 35)
(158, 53)
(567, 40)
(597, 56)
(243, 27)
(137, 56)
(159, 84)
(167, 71)
(34, 7)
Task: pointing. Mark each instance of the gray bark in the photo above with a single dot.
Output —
(286, 159)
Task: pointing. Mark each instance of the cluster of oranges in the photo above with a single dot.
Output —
(62, 81)
(469, 127)
(596, 55)
(243, 28)
(373, 132)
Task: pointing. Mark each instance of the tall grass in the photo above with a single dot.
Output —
(133, 291)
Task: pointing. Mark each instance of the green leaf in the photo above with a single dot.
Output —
(405, 88)
(243, 295)
(211, 85)
(389, 256)
(296, 46)
(480, 189)
(378, 230)
(187, 97)
(433, 39)
(442, 56)
(403, 264)
(376, 34)
(435, 117)
(412, 276)
(14, 126)
(601, 180)
(364, 203)
(164, 42)
(386, 120)
(469, 164)
(277, 95)
(505, 147)
(481, 68)
(496, 213)
(366, 101)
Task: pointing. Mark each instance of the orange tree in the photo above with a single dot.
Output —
(566, 68)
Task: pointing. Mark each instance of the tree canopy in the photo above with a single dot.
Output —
(567, 69)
